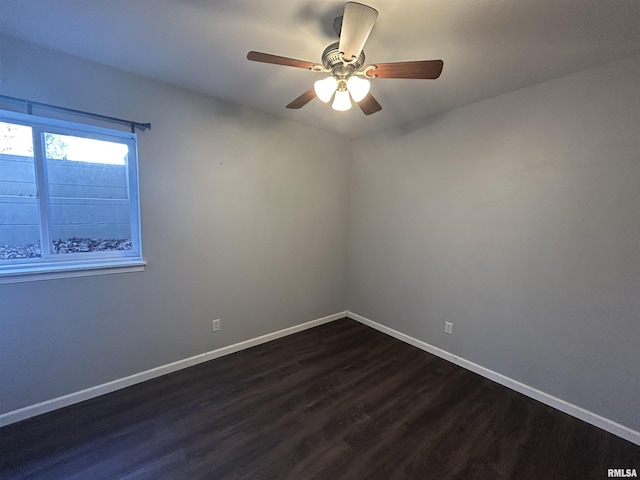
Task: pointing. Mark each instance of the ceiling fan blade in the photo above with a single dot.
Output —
(423, 69)
(278, 60)
(369, 105)
(303, 99)
(357, 23)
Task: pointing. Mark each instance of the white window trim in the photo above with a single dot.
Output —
(70, 271)
(77, 264)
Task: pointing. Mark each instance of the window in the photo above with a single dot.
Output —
(68, 199)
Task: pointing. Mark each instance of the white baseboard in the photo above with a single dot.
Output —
(86, 394)
(557, 403)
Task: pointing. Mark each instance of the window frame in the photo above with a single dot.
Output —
(60, 265)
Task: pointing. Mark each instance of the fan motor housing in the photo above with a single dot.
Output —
(332, 60)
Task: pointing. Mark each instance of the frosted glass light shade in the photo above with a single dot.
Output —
(358, 88)
(342, 101)
(324, 88)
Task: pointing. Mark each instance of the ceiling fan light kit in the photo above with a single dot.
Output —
(344, 60)
(355, 87)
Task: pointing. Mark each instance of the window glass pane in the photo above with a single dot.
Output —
(19, 216)
(88, 194)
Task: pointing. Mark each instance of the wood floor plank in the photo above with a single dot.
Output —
(338, 401)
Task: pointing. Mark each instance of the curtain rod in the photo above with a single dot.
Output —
(30, 104)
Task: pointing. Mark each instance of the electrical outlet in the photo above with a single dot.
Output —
(448, 328)
(216, 325)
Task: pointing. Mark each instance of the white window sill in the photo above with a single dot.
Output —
(51, 272)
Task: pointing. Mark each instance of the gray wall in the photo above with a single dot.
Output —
(515, 218)
(242, 219)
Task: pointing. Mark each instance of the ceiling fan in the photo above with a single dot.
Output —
(344, 60)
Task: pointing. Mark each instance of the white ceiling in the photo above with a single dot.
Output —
(489, 47)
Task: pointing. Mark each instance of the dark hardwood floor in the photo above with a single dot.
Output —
(340, 401)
